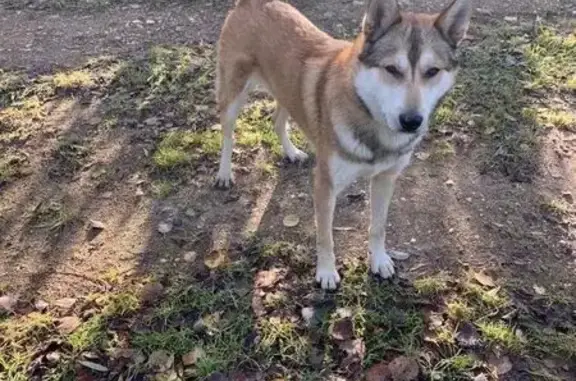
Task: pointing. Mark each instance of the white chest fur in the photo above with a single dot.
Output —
(343, 172)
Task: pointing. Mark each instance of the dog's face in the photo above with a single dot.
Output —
(407, 63)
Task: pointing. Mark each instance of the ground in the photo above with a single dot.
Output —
(119, 260)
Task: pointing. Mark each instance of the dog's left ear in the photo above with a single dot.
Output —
(453, 22)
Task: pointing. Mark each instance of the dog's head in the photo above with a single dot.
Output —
(407, 63)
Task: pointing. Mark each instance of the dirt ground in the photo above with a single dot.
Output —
(109, 143)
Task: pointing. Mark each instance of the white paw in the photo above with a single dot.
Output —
(295, 155)
(224, 180)
(381, 264)
(327, 277)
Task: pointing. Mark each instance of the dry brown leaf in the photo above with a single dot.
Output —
(151, 292)
(160, 361)
(192, 357)
(379, 372)
(502, 364)
(216, 259)
(484, 279)
(404, 369)
(291, 220)
(468, 336)
(342, 330)
(68, 324)
(267, 278)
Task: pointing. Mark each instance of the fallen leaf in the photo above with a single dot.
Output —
(379, 372)
(511, 19)
(151, 292)
(68, 324)
(291, 220)
(216, 259)
(267, 278)
(484, 279)
(354, 347)
(539, 290)
(65, 303)
(342, 330)
(468, 336)
(502, 364)
(7, 303)
(94, 366)
(192, 357)
(160, 361)
(404, 369)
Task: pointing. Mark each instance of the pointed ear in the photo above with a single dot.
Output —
(380, 15)
(453, 22)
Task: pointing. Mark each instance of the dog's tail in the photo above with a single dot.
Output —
(247, 3)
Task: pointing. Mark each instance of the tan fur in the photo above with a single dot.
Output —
(311, 75)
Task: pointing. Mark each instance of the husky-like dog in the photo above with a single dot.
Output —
(364, 105)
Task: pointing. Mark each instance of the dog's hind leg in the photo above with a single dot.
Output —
(281, 126)
(232, 87)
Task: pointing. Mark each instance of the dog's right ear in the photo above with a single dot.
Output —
(380, 16)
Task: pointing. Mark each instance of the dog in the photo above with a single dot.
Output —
(364, 104)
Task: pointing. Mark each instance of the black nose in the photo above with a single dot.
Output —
(410, 121)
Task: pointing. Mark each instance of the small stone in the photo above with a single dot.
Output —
(97, 225)
(53, 357)
(511, 19)
(307, 314)
(449, 183)
(165, 227)
(190, 256)
(41, 305)
(152, 121)
(216, 127)
(139, 192)
(150, 22)
(65, 303)
(7, 303)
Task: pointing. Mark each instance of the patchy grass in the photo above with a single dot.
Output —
(551, 60)
(52, 215)
(500, 334)
(560, 119)
(73, 80)
(432, 285)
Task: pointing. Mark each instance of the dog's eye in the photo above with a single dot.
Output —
(431, 72)
(393, 70)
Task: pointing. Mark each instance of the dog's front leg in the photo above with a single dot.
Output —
(381, 190)
(324, 204)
